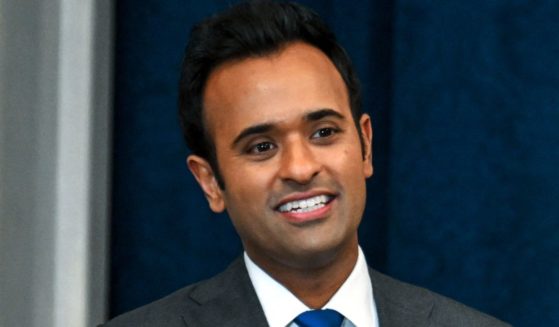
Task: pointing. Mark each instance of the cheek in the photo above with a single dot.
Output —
(349, 170)
(348, 162)
(247, 185)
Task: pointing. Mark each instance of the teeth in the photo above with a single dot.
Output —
(305, 205)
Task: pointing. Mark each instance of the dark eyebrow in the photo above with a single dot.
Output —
(321, 113)
(256, 129)
(266, 127)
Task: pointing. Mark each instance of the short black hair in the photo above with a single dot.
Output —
(250, 29)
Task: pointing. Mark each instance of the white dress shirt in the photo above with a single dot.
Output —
(354, 300)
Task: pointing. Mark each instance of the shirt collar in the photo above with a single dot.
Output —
(354, 299)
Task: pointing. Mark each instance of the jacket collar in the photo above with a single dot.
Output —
(229, 300)
(400, 304)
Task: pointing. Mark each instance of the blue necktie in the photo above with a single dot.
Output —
(319, 318)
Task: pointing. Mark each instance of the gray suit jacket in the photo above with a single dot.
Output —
(229, 300)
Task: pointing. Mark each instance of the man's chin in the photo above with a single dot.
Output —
(317, 256)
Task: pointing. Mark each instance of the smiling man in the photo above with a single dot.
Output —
(270, 107)
(292, 166)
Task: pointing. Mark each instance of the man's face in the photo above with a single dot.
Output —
(290, 156)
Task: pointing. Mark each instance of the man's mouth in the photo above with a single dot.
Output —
(306, 205)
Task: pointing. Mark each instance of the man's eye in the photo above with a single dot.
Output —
(261, 147)
(324, 132)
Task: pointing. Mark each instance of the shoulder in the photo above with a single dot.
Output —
(171, 310)
(406, 300)
(163, 312)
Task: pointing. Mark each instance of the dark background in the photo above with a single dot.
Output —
(464, 97)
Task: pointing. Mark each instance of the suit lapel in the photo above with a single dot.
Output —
(399, 304)
(227, 300)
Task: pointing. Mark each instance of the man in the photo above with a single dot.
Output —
(270, 107)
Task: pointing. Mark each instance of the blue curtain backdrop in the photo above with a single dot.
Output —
(465, 199)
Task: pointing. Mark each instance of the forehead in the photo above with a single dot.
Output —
(280, 87)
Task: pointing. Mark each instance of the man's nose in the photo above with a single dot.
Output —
(299, 163)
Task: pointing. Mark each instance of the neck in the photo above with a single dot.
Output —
(315, 285)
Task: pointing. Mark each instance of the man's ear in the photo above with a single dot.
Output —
(367, 139)
(204, 174)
